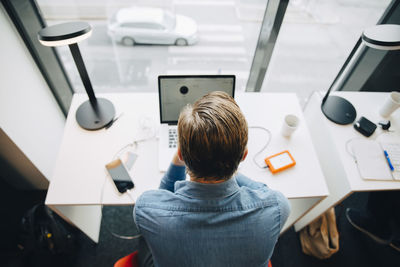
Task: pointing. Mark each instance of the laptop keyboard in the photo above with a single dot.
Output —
(172, 138)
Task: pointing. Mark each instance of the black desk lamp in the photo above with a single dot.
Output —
(95, 113)
(382, 37)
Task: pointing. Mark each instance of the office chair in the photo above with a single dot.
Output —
(131, 261)
(128, 261)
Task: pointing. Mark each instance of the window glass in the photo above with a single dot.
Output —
(315, 39)
(169, 20)
(130, 25)
(374, 70)
(142, 25)
(220, 35)
(152, 26)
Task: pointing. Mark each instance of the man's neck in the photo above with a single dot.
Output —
(206, 181)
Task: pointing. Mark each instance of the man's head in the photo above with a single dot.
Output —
(212, 137)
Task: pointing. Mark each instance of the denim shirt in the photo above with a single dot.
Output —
(233, 223)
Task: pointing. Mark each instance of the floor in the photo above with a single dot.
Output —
(355, 248)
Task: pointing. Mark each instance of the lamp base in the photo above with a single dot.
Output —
(339, 110)
(94, 118)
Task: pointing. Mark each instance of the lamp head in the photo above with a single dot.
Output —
(382, 37)
(64, 33)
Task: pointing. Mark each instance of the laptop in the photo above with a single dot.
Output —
(174, 93)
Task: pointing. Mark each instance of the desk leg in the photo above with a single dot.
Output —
(299, 207)
(329, 202)
(86, 218)
(330, 160)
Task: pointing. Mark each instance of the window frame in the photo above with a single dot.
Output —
(21, 13)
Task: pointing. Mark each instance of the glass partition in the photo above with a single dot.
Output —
(314, 42)
(370, 69)
(135, 41)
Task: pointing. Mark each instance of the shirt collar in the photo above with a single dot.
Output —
(206, 191)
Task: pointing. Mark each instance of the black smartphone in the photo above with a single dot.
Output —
(120, 175)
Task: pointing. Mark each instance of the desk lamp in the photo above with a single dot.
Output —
(382, 37)
(94, 113)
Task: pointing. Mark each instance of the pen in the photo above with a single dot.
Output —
(388, 160)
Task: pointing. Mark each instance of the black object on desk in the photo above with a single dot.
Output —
(382, 37)
(385, 125)
(365, 126)
(338, 109)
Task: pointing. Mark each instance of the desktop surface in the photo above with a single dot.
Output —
(80, 177)
(330, 139)
(367, 104)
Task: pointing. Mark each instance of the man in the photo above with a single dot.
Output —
(218, 218)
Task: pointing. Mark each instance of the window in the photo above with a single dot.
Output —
(226, 34)
(370, 69)
(25, 16)
(151, 26)
(217, 37)
(314, 41)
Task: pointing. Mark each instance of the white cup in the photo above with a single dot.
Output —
(392, 103)
(290, 124)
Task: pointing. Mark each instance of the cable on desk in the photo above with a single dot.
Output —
(264, 147)
(118, 235)
(347, 147)
(132, 145)
(383, 132)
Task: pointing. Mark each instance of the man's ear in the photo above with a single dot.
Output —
(180, 154)
(245, 154)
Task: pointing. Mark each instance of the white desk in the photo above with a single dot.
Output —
(75, 190)
(330, 140)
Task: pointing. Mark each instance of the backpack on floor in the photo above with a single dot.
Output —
(43, 233)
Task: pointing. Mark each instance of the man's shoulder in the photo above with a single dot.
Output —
(153, 194)
(264, 196)
(155, 197)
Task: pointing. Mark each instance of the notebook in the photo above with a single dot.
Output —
(372, 162)
(174, 93)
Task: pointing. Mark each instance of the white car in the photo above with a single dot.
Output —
(144, 25)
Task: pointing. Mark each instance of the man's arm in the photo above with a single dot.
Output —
(283, 202)
(175, 172)
(284, 207)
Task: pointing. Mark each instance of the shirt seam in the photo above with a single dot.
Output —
(205, 198)
(137, 220)
(262, 204)
(279, 213)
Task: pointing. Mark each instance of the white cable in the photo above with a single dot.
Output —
(347, 146)
(117, 154)
(264, 147)
(382, 132)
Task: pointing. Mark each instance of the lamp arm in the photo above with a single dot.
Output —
(328, 92)
(76, 54)
(344, 73)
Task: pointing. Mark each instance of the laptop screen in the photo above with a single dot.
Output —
(175, 92)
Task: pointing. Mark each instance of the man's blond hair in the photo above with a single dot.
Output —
(212, 136)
